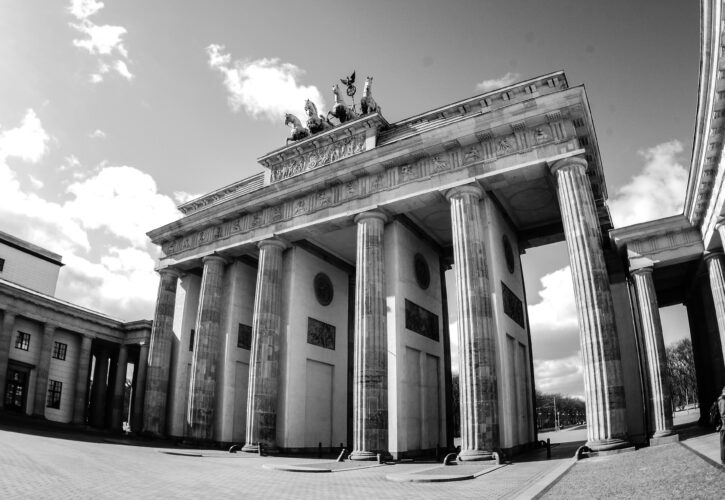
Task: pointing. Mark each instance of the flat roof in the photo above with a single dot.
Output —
(29, 248)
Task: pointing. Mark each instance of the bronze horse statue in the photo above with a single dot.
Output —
(340, 110)
(367, 103)
(315, 123)
(298, 131)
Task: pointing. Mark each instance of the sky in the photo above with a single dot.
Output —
(114, 112)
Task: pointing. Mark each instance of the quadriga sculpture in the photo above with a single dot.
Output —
(340, 110)
(316, 123)
(367, 103)
(298, 131)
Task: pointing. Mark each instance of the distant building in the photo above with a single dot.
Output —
(49, 348)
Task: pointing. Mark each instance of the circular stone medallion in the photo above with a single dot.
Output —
(508, 254)
(323, 289)
(422, 271)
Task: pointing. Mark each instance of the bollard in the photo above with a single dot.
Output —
(319, 449)
(548, 448)
(438, 453)
(380, 458)
(259, 450)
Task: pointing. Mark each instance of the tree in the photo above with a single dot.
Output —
(681, 372)
(554, 410)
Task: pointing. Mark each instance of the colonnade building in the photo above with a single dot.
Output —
(51, 350)
(307, 305)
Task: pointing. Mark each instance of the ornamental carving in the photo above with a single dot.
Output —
(489, 149)
(322, 156)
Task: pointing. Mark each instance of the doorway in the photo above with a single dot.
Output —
(16, 388)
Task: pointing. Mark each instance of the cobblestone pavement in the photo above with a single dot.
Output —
(39, 466)
(52, 463)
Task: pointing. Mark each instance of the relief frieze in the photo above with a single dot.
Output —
(319, 157)
(487, 149)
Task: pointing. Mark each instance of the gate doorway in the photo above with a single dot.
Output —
(16, 388)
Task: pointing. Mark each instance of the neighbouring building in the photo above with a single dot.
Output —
(50, 349)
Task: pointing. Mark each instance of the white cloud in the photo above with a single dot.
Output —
(658, 191)
(183, 196)
(263, 88)
(28, 142)
(97, 134)
(555, 335)
(97, 224)
(37, 183)
(84, 8)
(123, 201)
(497, 83)
(103, 41)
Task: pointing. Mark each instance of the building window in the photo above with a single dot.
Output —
(54, 390)
(2, 264)
(191, 340)
(59, 350)
(244, 337)
(22, 341)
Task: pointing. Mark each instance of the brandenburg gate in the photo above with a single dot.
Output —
(306, 306)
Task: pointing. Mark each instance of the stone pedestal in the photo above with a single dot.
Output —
(100, 389)
(264, 358)
(654, 346)
(80, 401)
(476, 332)
(43, 367)
(139, 388)
(6, 337)
(202, 387)
(603, 384)
(370, 379)
(159, 358)
(119, 388)
(716, 271)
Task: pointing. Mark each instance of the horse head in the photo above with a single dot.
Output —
(310, 108)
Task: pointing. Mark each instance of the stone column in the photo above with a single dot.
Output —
(370, 379)
(654, 346)
(202, 386)
(140, 388)
(6, 338)
(100, 388)
(476, 330)
(43, 367)
(715, 269)
(603, 384)
(80, 401)
(264, 358)
(159, 358)
(119, 388)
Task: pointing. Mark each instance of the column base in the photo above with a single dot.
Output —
(254, 448)
(473, 455)
(665, 439)
(369, 455)
(663, 433)
(608, 444)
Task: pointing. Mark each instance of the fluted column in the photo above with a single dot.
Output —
(100, 388)
(264, 358)
(715, 269)
(6, 337)
(140, 388)
(370, 378)
(43, 367)
(603, 383)
(654, 345)
(119, 388)
(476, 331)
(159, 358)
(202, 387)
(80, 400)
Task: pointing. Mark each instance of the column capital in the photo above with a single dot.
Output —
(272, 242)
(571, 162)
(711, 255)
(642, 270)
(372, 214)
(169, 271)
(49, 328)
(9, 315)
(214, 258)
(458, 191)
